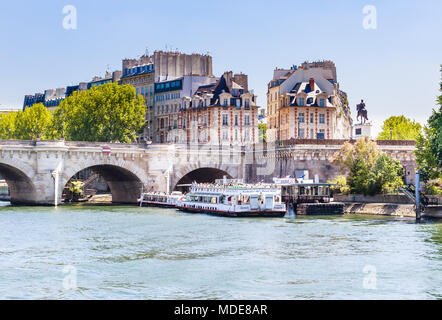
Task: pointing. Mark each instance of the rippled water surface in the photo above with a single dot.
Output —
(145, 253)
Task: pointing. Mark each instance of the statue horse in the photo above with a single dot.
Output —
(362, 112)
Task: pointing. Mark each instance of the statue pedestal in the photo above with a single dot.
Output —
(362, 130)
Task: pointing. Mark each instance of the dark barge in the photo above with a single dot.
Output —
(309, 198)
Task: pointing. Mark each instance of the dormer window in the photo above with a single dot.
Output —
(301, 102)
(309, 100)
(322, 102)
(225, 102)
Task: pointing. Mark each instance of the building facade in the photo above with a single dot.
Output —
(169, 104)
(170, 65)
(140, 73)
(223, 113)
(305, 102)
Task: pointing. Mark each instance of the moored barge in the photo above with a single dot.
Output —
(159, 199)
(308, 198)
(233, 200)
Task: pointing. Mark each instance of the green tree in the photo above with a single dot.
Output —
(32, 121)
(262, 128)
(402, 128)
(429, 145)
(109, 112)
(368, 170)
(388, 174)
(341, 185)
(7, 125)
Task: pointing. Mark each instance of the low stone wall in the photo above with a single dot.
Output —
(384, 209)
(433, 212)
(379, 198)
(435, 199)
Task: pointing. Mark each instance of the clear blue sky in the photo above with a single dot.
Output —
(394, 68)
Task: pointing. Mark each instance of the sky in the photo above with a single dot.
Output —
(395, 67)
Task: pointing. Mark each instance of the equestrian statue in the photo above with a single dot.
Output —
(362, 112)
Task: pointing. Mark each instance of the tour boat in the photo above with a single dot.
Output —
(159, 199)
(234, 200)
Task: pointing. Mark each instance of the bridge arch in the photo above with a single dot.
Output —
(200, 175)
(21, 187)
(124, 179)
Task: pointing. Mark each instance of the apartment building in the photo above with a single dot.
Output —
(305, 102)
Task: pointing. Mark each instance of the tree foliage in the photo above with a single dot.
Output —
(27, 124)
(368, 170)
(7, 125)
(109, 112)
(341, 185)
(429, 145)
(262, 128)
(402, 128)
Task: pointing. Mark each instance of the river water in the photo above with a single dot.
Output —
(104, 252)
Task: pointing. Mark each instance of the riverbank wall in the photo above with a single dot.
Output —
(379, 198)
(384, 209)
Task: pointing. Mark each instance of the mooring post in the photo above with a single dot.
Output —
(417, 193)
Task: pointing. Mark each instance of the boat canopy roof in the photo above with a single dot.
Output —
(319, 184)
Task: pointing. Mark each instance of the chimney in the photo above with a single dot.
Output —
(312, 84)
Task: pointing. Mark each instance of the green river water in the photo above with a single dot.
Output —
(104, 252)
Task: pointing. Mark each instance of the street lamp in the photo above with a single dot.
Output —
(38, 130)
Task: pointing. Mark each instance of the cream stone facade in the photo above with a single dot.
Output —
(306, 103)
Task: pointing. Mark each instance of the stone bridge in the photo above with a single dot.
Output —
(37, 171)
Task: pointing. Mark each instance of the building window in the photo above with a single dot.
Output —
(225, 135)
(225, 103)
(301, 118)
(247, 120)
(322, 102)
(312, 134)
(358, 131)
(225, 120)
(301, 133)
(301, 102)
(321, 118)
(247, 103)
(312, 118)
(236, 120)
(309, 100)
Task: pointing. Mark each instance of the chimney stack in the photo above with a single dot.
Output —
(312, 84)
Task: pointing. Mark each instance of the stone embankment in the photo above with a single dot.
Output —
(384, 209)
(388, 205)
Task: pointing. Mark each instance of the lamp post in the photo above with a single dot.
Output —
(62, 131)
(417, 196)
(38, 130)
